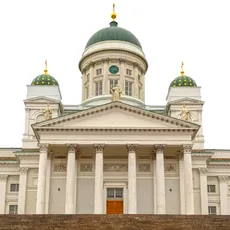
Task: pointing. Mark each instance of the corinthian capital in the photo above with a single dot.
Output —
(71, 147)
(203, 171)
(22, 170)
(159, 148)
(186, 148)
(99, 147)
(43, 147)
(3, 177)
(131, 147)
(223, 178)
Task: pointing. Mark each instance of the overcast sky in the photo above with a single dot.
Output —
(170, 31)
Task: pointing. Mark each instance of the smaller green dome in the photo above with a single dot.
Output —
(44, 79)
(183, 81)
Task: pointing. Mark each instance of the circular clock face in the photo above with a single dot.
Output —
(113, 69)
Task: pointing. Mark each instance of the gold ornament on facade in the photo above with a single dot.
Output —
(47, 112)
(116, 93)
(113, 15)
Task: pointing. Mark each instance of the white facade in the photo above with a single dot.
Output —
(114, 157)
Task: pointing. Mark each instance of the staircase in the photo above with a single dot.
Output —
(117, 222)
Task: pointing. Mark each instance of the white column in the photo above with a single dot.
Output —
(182, 198)
(3, 180)
(122, 75)
(223, 195)
(132, 179)
(106, 90)
(160, 179)
(48, 172)
(203, 191)
(70, 180)
(91, 75)
(98, 193)
(41, 188)
(188, 181)
(22, 190)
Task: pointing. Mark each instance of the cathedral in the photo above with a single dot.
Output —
(113, 154)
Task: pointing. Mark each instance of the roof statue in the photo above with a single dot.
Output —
(47, 112)
(116, 93)
(185, 114)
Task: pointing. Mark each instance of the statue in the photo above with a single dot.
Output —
(47, 112)
(116, 93)
(185, 114)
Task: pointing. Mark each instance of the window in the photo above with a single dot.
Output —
(212, 210)
(128, 72)
(114, 193)
(128, 88)
(98, 71)
(87, 92)
(14, 187)
(113, 83)
(13, 209)
(87, 77)
(98, 88)
(211, 188)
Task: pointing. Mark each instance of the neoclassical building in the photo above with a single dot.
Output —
(113, 153)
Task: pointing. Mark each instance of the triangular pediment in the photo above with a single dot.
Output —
(115, 115)
(41, 100)
(186, 101)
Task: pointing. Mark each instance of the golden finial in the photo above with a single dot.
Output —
(45, 69)
(113, 15)
(182, 69)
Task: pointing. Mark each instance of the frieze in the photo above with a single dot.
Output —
(170, 168)
(86, 167)
(144, 168)
(61, 167)
(3, 177)
(115, 167)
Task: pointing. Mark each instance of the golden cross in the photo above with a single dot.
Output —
(113, 7)
(182, 65)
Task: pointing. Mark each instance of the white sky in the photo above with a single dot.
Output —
(170, 31)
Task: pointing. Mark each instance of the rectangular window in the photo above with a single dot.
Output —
(98, 88)
(114, 193)
(212, 210)
(13, 209)
(128, 88)
(87, 77)
(87, 92)
(99, 71)
(128, 72)
(113, 83)
(14, 187)
(211, 188)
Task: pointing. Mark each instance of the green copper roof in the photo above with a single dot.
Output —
(113, 33)
(184, 81)
(44, 79)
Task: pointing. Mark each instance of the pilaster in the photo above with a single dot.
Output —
(3, 181)
(122, 75)
(91, 90)
(223, 194)
(22, 190)
(203, 191)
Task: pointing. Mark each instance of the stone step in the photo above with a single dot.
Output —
(116, 222)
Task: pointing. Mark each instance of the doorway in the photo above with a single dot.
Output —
(114, 201)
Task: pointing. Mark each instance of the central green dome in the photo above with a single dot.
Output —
(113, 33)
